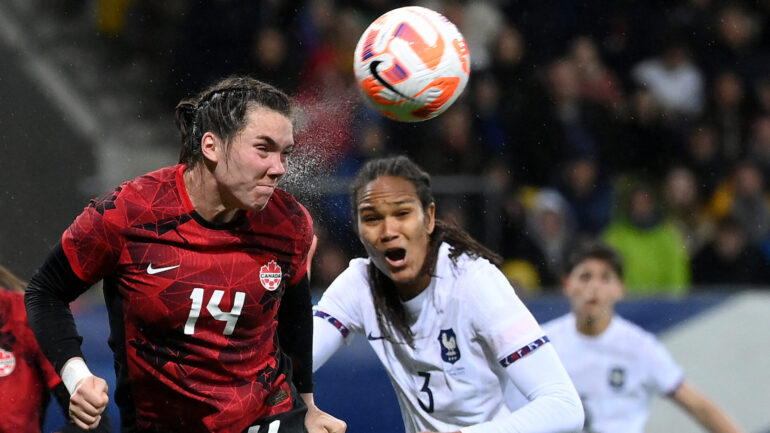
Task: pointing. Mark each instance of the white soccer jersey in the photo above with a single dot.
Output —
(468, 326)
(616, 373)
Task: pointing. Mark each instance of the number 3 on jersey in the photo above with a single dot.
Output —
(230, 317)
(429, 407)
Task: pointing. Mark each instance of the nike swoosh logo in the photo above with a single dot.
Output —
(371, 337)
(373, 69)
(153, 271)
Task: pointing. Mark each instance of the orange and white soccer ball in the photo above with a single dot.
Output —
(412, 63)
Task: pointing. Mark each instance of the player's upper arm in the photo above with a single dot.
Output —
(496, 312)
(94, 241)
(666, 375)
(343, 301)
(327, 339)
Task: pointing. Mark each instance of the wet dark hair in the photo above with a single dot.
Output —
(594, 249)
(387, 303)
(222, 109)
(9, 281)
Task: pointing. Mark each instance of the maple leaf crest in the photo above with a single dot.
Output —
(270, 275)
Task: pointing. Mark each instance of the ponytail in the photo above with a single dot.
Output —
(185, 123)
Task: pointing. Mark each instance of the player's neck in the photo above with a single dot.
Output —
(593, 325)
(410, 290)
(205, 198)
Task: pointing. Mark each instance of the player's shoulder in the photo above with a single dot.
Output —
(284, 205)
(12, 311)
(11, 300)
(352, 283)
(463, 265)
(468, 274)
(631, 333)
(140, 192)
(358, 269)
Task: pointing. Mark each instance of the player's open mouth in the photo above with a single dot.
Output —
(396, 257)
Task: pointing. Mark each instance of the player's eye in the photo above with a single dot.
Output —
(370, 218)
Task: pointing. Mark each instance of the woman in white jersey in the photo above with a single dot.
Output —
(441, 317)
(616, 366)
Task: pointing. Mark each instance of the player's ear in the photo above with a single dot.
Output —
(209, 146)
(430, 217)
(619, 291)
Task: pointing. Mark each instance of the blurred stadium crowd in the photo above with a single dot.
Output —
(646, 122)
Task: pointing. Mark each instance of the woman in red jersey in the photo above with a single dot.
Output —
(205, 278)
(27, 379)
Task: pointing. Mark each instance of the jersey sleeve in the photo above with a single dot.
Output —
(499, 316)
(93, 242)
(664, 373)
(552, 403)
(341, 303)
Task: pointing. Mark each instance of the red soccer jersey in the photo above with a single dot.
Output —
(25, 374)
(192, 305)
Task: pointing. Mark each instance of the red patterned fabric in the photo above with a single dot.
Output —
(192, 305)
(25, 374)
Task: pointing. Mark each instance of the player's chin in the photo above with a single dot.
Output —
(260, 202)
(403, 275)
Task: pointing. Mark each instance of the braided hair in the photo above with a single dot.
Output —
(222, 109)
(387, 304)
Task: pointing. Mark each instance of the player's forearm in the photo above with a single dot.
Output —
(713, 419)
(703, 410)
(326, 341)
(554, 405)
(557, 411)
(295, 333)
(47, 300)
(307, 397)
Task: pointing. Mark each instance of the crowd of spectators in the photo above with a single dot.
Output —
(646, 122)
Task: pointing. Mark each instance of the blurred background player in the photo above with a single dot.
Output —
(204, 266)
(440, 315)
(616, 366)
(26, 376)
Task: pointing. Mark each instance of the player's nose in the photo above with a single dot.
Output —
(390, 228)
(277, 165)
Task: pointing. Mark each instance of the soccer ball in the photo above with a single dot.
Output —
(411, 64)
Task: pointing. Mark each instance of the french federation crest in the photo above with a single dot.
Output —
(617, 377)
(449, 351)
(270, 275)
(7, 362)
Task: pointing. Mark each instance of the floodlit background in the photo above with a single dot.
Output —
(643, 122)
